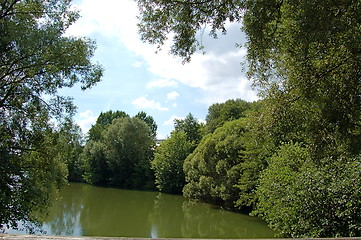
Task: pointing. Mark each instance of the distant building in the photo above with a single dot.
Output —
(158, 141)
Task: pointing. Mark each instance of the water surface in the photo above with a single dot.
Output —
(85, 210)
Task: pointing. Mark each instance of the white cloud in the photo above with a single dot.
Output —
(218, 72)
(110, 17)
(172, 95)
(170, 121)
(86, 120)
(162, 83)
(144, 103)
(137, 64)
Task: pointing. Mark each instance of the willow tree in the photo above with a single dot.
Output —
(36, 60)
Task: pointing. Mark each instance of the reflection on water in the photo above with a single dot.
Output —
(85, 210)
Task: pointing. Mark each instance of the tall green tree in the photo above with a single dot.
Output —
(213, 169)
(102, 122)
(306, 56)
(168, 162)
(129, 147)
(122, 156)
(219, 113)
(191, 127)
(36, 60)
(96, 170)
(149, 120)
(70, 143)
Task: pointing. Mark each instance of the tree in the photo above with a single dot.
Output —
(122, 156)
(184, 19)
(191, 127)
(149, 120)
(96, 170)
(213, 169)
(219, 113)
(103, 121)
(305, 55)
(29, 179)
(69, 140)
(36, 60)
(128, 148)
(168, 162)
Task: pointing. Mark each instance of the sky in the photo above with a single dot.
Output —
(136, 78)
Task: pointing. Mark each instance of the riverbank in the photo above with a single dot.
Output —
(38, 237)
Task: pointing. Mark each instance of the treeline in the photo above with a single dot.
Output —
(293, 157)
(246, 156)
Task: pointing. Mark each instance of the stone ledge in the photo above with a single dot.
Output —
(46, 237)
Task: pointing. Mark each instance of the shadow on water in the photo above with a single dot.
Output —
(85, 210)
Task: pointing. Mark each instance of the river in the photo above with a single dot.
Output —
(85, 210)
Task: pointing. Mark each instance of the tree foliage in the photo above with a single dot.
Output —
(102, 122)
(184, 19)
(168, 162)
(307, 58)
(191, 127)
(219, 113)
(213, 169)
(302, 199)
(149, 120)
(69, 142)
(122, 155)
(36, 60)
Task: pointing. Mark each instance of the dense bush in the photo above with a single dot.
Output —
(300, 198)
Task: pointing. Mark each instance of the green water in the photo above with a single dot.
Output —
(85, 210)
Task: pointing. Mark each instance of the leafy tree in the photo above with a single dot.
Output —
(96, 170)
(213, 169)
(122, 156)
(302, 199)
(185, 19)
(191, 127)
(168, 162)
(128, 149)
(29, 180)
(36, 60)
(70, 143)
(219, 113)
(259, 147)
(307, 58)
(103, 121)
(149, 120)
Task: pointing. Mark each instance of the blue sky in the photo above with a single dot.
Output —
(138, 79)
